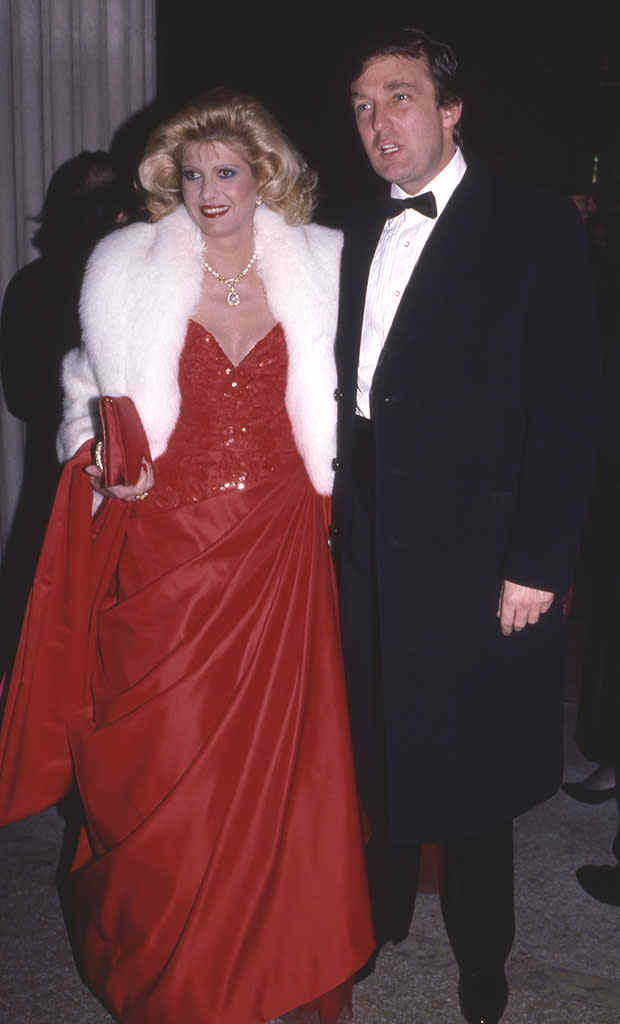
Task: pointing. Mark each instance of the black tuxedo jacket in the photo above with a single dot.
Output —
(485, 409)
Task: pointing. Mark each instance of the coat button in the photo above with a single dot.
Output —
(335, 463)
(338, 394)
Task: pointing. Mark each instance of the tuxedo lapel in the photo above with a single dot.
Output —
(443, 266)
(360, 244)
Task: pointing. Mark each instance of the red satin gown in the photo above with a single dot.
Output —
(220, 878)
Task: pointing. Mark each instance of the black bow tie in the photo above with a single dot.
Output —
(423, 204)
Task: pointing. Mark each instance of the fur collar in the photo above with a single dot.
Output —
(141, 287)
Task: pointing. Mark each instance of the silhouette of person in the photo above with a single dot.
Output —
(39, 323)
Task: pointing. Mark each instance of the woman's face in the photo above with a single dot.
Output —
(219, 189)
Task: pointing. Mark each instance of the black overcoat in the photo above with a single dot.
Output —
(485, 407)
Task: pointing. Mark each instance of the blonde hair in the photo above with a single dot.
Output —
(244, 124)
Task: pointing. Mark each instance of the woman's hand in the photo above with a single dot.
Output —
(122, 492)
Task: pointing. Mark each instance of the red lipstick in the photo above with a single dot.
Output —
(214, 211)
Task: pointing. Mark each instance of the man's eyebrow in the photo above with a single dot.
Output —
(387, 87)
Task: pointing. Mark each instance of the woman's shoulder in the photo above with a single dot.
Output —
(273, 228)
(142, 248)
(136, 235)
(321, 237)
(143, 237)
(118, 256)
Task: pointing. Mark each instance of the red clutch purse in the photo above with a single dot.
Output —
(124, 445)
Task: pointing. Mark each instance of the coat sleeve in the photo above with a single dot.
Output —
(561, 388)
(79, 403)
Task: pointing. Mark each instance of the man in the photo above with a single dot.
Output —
(602, 881)
(467, 392)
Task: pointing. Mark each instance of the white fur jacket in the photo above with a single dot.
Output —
(141, 287)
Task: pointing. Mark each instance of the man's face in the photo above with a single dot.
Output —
(407, 137)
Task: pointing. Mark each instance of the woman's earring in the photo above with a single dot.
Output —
(259, 202)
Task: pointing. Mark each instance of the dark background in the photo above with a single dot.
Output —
(541, 80)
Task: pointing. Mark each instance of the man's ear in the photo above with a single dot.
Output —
(451, 113)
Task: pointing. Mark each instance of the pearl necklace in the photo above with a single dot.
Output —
(232, 298)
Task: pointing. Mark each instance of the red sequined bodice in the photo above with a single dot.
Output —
(233, 428)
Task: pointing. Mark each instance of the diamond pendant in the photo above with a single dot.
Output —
(232, 298)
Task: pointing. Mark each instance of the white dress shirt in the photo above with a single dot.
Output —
(396, 255)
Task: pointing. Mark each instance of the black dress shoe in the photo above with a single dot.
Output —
(602, 883)
(483, 997)
(586, 795)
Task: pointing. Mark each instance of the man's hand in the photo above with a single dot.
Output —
(521, 606)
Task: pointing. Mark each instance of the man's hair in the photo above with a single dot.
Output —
(244, 124)
(439, 57)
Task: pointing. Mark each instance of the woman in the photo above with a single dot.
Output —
(219, 875)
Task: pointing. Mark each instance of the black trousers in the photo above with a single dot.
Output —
(477, 899)
(477, 891)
